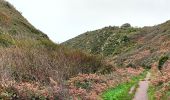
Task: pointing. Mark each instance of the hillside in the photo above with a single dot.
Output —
(13, 23)
(18, 36)
(126, 45)
(31, 65)
(129, 47)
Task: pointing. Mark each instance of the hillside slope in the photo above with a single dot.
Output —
(17, 34)
(12, 22)
(31, 65)
(126, 45)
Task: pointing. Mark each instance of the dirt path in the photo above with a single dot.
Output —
(141, 93)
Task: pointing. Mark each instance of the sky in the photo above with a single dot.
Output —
(64, 19)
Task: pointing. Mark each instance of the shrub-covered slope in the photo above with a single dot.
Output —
(105, 41)
(20, 41)
(32, 66)
(126, 45)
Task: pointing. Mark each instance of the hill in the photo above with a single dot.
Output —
(126, 45)
(19, 36)
(13, 23)
(129, 47)
(30, 64)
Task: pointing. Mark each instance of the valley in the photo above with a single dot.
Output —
(112, 63)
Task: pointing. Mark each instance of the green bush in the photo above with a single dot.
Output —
(125, 39)
(162, 61)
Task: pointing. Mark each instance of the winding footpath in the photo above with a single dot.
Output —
(141, 93)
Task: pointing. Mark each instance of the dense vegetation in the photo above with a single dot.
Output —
(106, 41)
(159, 87)
(126, 46)
(31, 64)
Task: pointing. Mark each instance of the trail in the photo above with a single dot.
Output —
(141, 93)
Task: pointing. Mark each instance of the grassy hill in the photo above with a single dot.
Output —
(126, 45)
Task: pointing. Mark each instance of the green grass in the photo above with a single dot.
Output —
(121, 92)
(151, 92)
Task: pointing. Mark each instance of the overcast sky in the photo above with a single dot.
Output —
(65, 19)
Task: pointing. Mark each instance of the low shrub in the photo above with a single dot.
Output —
(162, 61)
